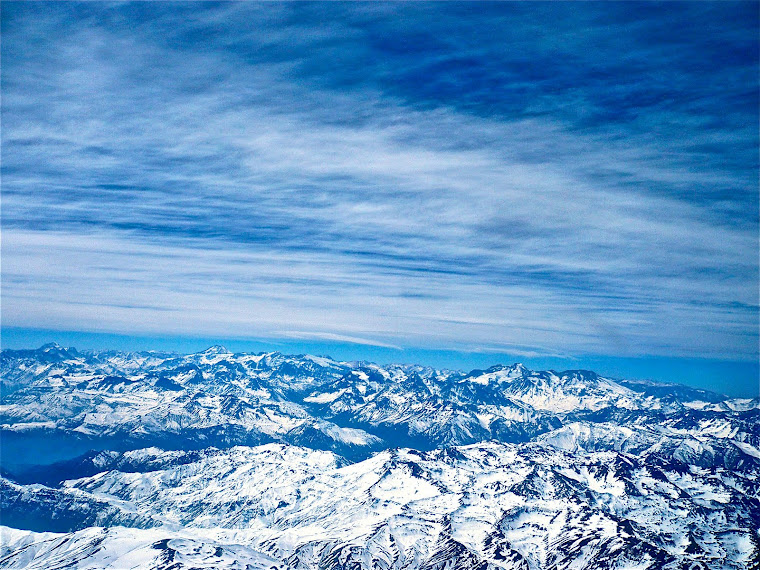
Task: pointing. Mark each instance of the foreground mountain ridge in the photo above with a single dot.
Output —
(225, 460)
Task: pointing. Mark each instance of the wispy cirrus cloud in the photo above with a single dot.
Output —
(405, 175)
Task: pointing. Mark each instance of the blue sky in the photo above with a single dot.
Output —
(562, 182)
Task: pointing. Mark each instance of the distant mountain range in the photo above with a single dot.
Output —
(221, 460)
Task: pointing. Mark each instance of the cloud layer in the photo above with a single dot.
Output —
(556, 179)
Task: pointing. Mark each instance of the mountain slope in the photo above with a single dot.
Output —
(222, 460)
(539, 506)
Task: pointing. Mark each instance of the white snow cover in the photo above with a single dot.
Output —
(292, 506)
(517, 469)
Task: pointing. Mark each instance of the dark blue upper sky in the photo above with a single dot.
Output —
(575, 181)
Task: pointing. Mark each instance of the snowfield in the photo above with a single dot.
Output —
(221, 460)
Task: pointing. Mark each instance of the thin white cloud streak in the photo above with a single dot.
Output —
(303, 335)
(54, 279)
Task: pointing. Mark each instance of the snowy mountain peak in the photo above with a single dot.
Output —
(51, 352)
(215, 350)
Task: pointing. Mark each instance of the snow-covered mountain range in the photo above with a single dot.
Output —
(221, 460)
